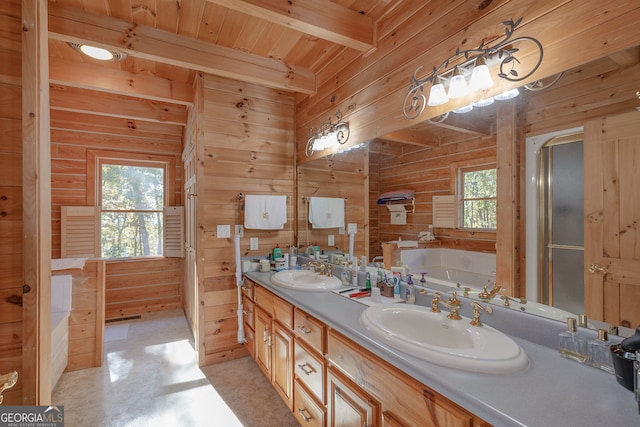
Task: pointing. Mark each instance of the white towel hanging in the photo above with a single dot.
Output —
(326, 212)
(265, 212)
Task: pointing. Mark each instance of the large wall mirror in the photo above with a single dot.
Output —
(428, 156)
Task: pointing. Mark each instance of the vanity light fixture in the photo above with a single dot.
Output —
(98, 52)
(472, 65)
(329, 134)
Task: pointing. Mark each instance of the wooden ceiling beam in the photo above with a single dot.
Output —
(75, 25)
(66, 98)
(89, 76)
(320, 18)
(412, 137)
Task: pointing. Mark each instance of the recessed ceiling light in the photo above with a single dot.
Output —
(98, 52)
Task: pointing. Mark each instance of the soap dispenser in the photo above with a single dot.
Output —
(599, 355)
(411, 291)
(570, 344)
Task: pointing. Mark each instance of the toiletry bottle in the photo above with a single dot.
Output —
(396, 284)
(368, 282)
(411, 291)
(599, 355)
(277, 252)
(570, 344)
(354, 271)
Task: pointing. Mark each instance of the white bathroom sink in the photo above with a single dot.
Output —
(305, 280)
(433, 337)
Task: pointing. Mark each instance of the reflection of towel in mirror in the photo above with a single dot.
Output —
(326, 212)
(265, 212)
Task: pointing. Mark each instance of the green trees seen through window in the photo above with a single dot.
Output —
(132, 199)
(479, 198)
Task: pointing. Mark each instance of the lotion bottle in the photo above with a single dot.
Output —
(570, 344)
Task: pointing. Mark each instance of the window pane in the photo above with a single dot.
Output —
(129, 234)
(480, 184)
(132, 187)
(479, 213)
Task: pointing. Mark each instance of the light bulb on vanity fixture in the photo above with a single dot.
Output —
(329, 134)
(467, 73)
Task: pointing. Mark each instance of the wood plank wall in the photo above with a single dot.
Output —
(247, 136)
(79, 123)
(430, 172)
(11, 277)
(372, 87)
(342, 175)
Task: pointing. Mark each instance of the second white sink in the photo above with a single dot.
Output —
(305, 280)
(433, 337)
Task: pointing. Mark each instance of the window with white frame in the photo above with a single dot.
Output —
(132, 196)
(478, 201)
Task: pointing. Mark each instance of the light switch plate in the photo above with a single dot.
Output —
(352, 228)
(239, 230)
(253, 243)
(331, 240)
(223, 231)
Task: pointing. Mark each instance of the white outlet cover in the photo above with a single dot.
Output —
(238, 230)
(331, 240)
(253, 243)
(352, 228)
(223, 231)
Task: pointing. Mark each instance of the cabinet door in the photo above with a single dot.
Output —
(282, 358)
(349, 405)
(263, 341)
(442, 413)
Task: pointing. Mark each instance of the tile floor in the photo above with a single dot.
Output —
(151, 378)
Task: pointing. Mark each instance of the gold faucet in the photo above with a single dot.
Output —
(453, 304)
(476, 313)
(507, 298)
(487, 295)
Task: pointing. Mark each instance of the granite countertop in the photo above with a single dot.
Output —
(551, 391)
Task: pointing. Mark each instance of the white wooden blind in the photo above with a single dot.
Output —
(445, 211)
(80, 232)
(173, 220)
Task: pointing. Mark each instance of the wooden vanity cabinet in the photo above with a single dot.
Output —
(349, 405)
(273, 319)
(404, 400)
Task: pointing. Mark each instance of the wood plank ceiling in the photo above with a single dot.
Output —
(281, 44)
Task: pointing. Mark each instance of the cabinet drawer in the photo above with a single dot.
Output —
(311, 330)
(248, 308)
(306, 410)
(249, 289)
(275, 306)
(310, 370)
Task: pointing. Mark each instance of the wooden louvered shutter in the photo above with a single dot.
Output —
(173, 231)
(80, 232)
(445, 211)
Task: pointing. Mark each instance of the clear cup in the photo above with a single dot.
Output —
(375, 294)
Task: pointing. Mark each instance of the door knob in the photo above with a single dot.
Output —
(595, 268)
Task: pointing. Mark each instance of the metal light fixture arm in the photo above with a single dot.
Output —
(499, 47)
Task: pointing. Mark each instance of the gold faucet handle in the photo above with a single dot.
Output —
(435, 308)
(476, 313)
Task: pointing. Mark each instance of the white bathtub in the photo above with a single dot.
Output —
(60, 310)
(465, 269)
